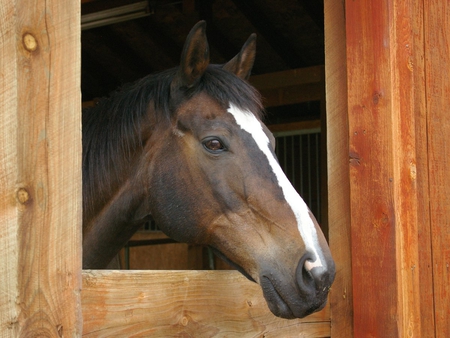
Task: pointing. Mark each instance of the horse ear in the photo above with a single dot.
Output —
(194, 58)
(242, 64)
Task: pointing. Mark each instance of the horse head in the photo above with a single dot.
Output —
(216, 181)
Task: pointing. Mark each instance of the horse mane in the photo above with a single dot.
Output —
(112, 129)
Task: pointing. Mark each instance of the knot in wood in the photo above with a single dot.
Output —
(184, 321)
(29, 42)
(23, 196)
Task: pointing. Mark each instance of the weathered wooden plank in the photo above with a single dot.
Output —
(341, 300)
(384, 96)
(415, 65)
(9, 291)
(40, 169)
(437, 47)
(372, 212)
(185, 303)
(373, 233)
(406, 101)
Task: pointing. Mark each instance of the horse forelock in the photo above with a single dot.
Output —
(112, 129)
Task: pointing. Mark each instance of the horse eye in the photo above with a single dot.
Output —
(214, 145)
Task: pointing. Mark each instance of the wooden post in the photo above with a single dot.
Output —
(437, 119)
(338, 171)
(40, 169)
(382, 168)
(398, 89)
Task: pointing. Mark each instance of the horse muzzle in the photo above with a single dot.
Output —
(300, 296)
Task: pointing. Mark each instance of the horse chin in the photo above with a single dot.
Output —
(286, 307)
(276, 303)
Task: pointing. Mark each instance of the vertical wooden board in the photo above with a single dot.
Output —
(437, 46)
(371, 170)
(386, 117)
(323, 182)
(8, 173)
(425, 274)
(338, 171)
(41, 161)
(384, 96)
(407, 111)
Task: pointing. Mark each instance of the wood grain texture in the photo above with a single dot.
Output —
(425, 271)
(185, 304)
(371, 171)
(385, 98)
(437, 64)
(406, 103)
(9, 311)
(40, 169)
(341, 300)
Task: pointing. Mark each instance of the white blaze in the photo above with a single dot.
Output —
(248, 122)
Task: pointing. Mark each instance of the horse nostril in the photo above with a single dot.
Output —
(313, 276)
(321, 278)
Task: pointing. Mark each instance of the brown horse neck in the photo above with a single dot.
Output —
(106, 233)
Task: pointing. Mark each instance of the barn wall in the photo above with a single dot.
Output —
(40, 169)
(398, 89)
(382, 157)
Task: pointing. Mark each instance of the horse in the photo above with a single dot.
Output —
(188, 147)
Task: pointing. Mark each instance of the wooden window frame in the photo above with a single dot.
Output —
(387, 126)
